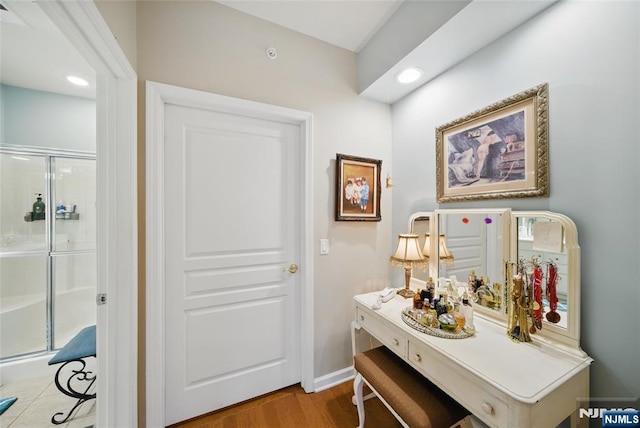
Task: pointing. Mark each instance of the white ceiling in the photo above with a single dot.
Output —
(345, 23)
(352, 23)
(35, 55)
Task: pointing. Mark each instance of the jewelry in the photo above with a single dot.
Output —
(552, 295)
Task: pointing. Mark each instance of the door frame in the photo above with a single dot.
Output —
(117, 216)
(157, 95)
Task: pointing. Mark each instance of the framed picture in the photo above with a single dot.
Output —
(498, 152)
(358, 188)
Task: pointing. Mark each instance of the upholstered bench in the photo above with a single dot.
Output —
(413, 400)
(73, 354)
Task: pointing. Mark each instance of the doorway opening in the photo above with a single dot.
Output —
(82, 26)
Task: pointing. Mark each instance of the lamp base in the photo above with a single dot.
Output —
(406, 293)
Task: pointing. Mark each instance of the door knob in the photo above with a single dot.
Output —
(293, 268)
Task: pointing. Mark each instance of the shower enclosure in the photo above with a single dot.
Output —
(47, 260)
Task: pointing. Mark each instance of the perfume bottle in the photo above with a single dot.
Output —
(497, 294)
(473, 281)
(417, 301)
(441, 306)
(467, 310)
(432, 315)
(460, 319)
(431, 287)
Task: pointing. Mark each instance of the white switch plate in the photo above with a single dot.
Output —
(324, 246)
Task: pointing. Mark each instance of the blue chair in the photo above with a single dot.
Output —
(83, 345)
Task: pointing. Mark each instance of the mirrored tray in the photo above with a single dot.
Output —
(415, 324)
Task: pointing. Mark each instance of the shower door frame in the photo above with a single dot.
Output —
(49, 251)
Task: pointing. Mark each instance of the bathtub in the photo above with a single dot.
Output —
(23, 329)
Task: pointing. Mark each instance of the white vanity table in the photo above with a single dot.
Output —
(502, 382)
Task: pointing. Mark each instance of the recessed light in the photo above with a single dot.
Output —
(409, 75)
(77, 80)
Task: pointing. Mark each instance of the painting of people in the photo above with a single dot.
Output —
(476, 156)
(358, 192)
(497, 152)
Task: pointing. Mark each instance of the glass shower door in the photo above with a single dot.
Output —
(48, 270)
(73, 247)
(23, 255)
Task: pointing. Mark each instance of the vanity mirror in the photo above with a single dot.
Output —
(483, 241)
(419, 225)
(478, 241)
(550, 240)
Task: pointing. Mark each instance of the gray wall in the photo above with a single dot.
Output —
(44, 119)
(589, 54)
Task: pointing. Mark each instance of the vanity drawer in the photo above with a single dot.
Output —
(473, 394)
(389, 337)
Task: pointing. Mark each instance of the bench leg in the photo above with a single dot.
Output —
(68, 388)
(358, 383)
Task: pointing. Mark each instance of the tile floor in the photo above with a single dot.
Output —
(38, 400)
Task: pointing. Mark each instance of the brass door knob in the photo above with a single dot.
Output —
(293, 268)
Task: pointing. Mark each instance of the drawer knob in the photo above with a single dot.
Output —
(418, 357)
(396, 342)
(361, 317)
(488, 408)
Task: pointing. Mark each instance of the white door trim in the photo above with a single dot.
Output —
(117, 240)
(157, 95)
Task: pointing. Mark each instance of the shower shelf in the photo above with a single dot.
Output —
(29, 217)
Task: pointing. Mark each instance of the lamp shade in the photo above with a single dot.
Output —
(426, 249)
(445, 256)
(408, 251)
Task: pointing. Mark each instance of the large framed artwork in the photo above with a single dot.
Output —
(498, 152)
(358, 188)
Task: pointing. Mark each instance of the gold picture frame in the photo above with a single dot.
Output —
(498, 152)
(357, 188)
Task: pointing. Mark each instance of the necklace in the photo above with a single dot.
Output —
(552, 283)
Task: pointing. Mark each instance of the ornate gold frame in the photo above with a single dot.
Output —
(533, 104)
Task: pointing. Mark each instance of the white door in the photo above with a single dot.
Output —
(470, 237)
(231, 216)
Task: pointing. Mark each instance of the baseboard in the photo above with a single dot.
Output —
(332, 379)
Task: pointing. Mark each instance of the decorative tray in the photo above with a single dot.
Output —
(438, 332)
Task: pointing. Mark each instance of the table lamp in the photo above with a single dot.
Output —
(408, 255)
(444, 254)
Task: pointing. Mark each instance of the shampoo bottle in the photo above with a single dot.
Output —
(38, 208)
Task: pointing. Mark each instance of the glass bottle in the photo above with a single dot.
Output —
(473, 281)
(497, 293)
(432, 315)
(417, 301)
(38, 208)
(441, 306)
(431, 287)
(467, 311)
(460, 319)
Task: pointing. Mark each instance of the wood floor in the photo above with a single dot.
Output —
(292, 407)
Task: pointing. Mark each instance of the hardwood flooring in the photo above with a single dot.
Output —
(291, 407)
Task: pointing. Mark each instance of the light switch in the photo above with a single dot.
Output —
(324, 246)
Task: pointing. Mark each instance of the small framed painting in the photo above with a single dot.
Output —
(498, 152)
(357, 188)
